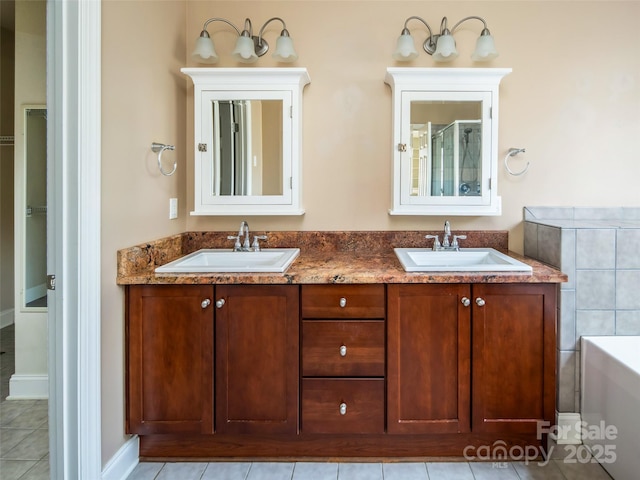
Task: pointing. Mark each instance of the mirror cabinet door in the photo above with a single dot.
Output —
(247, 140)
(447, 145)
(445, 141)
(245, 159)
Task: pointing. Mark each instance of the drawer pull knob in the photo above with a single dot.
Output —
(205, 303)
(465, 301)
(343, 408)
(480, 302)
(343, 351)
(343, 302)
(220, 303)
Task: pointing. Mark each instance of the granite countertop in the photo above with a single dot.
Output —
(325, 257)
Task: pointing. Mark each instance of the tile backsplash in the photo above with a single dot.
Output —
(599, 250)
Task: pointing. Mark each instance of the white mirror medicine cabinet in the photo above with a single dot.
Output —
(248, 140)
(445, 140)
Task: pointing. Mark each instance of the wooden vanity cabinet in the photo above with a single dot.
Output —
(170, 333)
(169, 355)
(257, 357)
(366, 370)
(484, 349)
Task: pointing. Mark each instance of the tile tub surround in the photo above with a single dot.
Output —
(325, 257)
(599, 250)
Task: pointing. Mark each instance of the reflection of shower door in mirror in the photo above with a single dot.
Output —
(234, 120)
(456, 168)
(34, 210)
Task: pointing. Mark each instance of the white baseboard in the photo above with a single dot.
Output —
(568, 429)
(124, 461)
(7, 317)
(28, 387)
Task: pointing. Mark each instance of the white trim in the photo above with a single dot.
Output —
(7, 317)
(89, 258)
(73, 232)
(568, 425)
(123, 462)
(25, 387)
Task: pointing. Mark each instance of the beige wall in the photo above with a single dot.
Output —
(572, 101)
(143, 101)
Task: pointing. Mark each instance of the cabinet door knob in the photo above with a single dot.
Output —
(343, 302)
(205, 303)
(343, 408)
(220, 303)
(480, 302)
(465, 301)
(343, 351)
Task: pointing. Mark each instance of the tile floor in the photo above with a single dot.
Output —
(555, 470)
(24, 433)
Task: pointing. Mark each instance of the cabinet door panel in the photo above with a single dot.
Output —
(513, 357)
(170, 359)
(257, 359)
(428, 354)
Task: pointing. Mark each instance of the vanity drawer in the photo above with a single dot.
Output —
(343, 301)
(342, 405)
(343, 348)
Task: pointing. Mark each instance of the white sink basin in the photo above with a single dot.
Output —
(224, 260)
(466, 260)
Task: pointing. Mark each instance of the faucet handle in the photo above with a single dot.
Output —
(236, 247)
(436, 241)
(455, 243)
(256, 245)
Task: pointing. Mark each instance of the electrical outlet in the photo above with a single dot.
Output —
(173, 208)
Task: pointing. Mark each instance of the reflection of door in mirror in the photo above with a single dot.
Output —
(248, 157)
(447, 150)
(35, 237)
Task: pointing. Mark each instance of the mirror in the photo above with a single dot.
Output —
(445, 141)
(248, 154)
(35, 208)
(446, 148)
(247, 132)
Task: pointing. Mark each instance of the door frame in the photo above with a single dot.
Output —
(73, 231)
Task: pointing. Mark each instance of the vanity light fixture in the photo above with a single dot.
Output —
(248, 46)
(442, 46)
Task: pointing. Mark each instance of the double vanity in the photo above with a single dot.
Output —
(344, 352)
(340, 344)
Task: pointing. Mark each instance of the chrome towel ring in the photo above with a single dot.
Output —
(159, 148)
(511, 153)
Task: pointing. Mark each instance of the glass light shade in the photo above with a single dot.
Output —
(284, 50)
(204, 51)
(405, 49)
(485, 49)
(244, 51)
(445, 49)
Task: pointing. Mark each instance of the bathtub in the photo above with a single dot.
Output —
(610, 403)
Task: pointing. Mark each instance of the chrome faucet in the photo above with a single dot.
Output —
(446, 235)
(245, 246)
(446, 245)
(244, 228)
